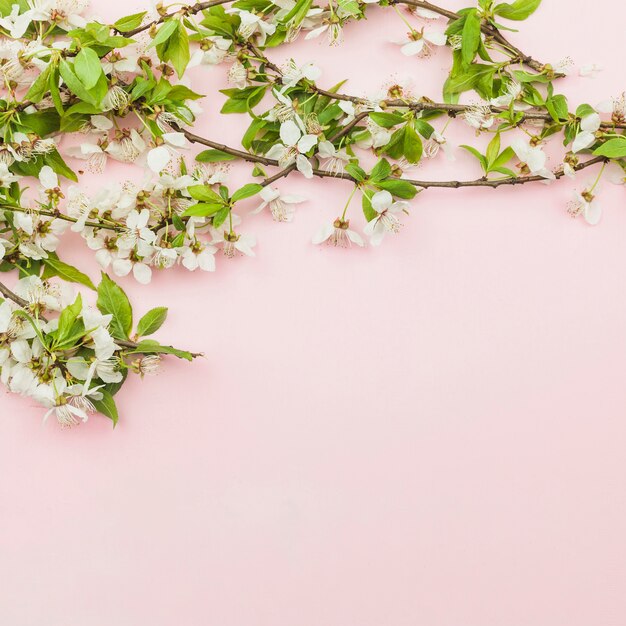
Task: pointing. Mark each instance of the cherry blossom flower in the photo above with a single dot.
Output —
(587, 135)
(335, 160)
(584, 204)
(532, 158)
(338, 234)
(292, 74)
(387, 219)
(616, 174)
(234, 242)
(421, 42)
(254, 24)
(590, 70)
(294, 147)
(281, 205)
(127, 146)
(479, 116)
(198, 255)
(159, 157)
(616, 107)
(212, 51)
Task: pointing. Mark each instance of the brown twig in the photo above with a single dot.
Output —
(59, 216)
(450, 184)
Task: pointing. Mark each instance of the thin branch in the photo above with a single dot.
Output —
(450, 184)
(9, 295)
(59, 216)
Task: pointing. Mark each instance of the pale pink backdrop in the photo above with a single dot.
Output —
(430, 433)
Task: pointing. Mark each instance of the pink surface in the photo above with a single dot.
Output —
(430, 433)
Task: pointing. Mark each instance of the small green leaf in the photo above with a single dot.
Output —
(470, 37)
(112, 300)
(386, 120)
(381, 170)
(518, 10)
(164, 33)
(203, 209)
(357, 172)
(87, 67)
(130, 22)
(107, 406)
(74, 84)
(369, 212)
(478, 155)
(149, 346)
(493, 149)
(251, 189)
(152, 321)
(204, 194)
(55, 267)
(67, 319)
(399, 188)
(405, 142)
(38, 89)
(214, 156)
(177, 49)
(613, 148)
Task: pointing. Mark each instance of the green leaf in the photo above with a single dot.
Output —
(405, 142)
(504, 157)
(381, 170)
(74, 84)
(165, 32)
(39, 88)
(478, 155)
(470, 37)
(613, 148)
(400, 188)
(149, 346)
(56, 162)
(251, 189)
(557, 107)
(386, 120)
(493, 149)
(130, 22)
(518, 10)
(203, 209)
(106, 406)
(469, 78)
(357, 172)
(55, 267)
(67, 319)
(584, 110)
(369, 212)
(113, 300)
(298, 12)
(204, 194)
(220, 216)
(87, 67)
(152, 321)
(214, 156)
(177, 49)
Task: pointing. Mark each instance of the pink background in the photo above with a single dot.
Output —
(428, 433)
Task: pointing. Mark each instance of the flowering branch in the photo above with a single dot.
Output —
(121, 90)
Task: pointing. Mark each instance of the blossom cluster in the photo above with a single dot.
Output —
(77, 92)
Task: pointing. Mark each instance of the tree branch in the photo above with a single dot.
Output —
(59, 216)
